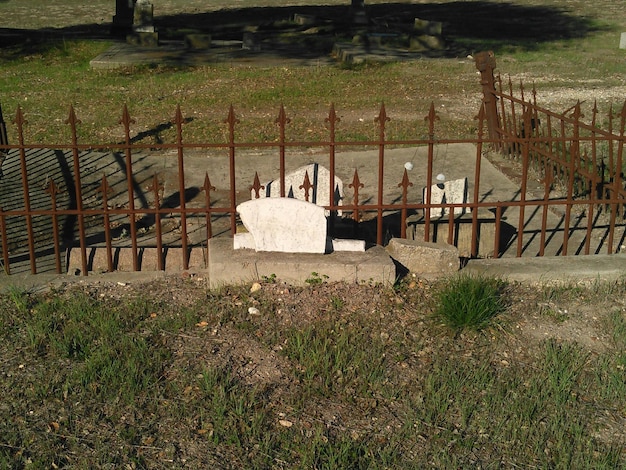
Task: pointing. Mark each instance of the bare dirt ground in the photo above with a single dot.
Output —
(577, 316)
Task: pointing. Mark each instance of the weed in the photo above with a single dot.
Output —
(271, 279)
(315, 279)
(336, 303)
(19, 298)
(469, 302)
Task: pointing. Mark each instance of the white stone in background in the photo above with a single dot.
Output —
(622, 41)
(283, 225)
(450, 192)
(341, 244)
(319, 193)
(243, 240)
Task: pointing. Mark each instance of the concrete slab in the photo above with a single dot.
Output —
(553, 269)
(229, 266)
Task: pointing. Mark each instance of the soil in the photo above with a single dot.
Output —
(578, 315)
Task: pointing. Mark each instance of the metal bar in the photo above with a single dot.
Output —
(404, 184)
(127, 121)
(477, 170)
(73, 122)
(156, 187)
(524, 185)
(594, 180)
(282, 122)
(617, 179)
(382, 119)
(332, 120)
(207, 204)
(20, 121)
(53, 190)
(231, 120)
(105, 189)
(544, 214)
(179, 121)
(497, 234)
(431, 117)
(573, 159)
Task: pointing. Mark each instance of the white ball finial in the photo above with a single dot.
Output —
(441, 177)
(408, 166)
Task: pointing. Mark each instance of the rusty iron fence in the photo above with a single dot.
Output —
(578, 160)
(68, 200)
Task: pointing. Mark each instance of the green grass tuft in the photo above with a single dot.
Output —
(469, 302)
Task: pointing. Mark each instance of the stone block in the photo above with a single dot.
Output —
(341, 244)
(198, 41)
(461, 232)
(284, 225)
(424, 258)
(143, 39)
(228, 266)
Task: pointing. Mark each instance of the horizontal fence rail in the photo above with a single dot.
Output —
(61, 202)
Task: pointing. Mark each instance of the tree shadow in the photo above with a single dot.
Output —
(467, 27)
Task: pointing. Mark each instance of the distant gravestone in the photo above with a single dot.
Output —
(318, 194)
(283, 225)
(450, 192)
(144, 17)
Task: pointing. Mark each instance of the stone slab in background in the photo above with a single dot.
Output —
(319, 193)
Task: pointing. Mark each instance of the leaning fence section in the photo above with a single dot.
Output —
(67, 201)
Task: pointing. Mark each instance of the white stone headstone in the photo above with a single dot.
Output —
(319, 193)
(450, 192)
(622, 41)
(282, 224)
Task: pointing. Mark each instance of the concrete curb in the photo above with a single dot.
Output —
(553, 269)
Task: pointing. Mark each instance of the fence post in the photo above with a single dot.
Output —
(20, 122)
(486, 63)
(382, 119)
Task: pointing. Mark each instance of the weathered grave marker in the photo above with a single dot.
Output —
(450, 192)
(319, 191)
(282, 224)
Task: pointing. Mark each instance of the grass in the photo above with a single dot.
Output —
(359, 379)
(326, 377)
(45, 79)
(470, 302)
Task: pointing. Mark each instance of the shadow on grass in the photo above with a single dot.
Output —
(467, 27)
